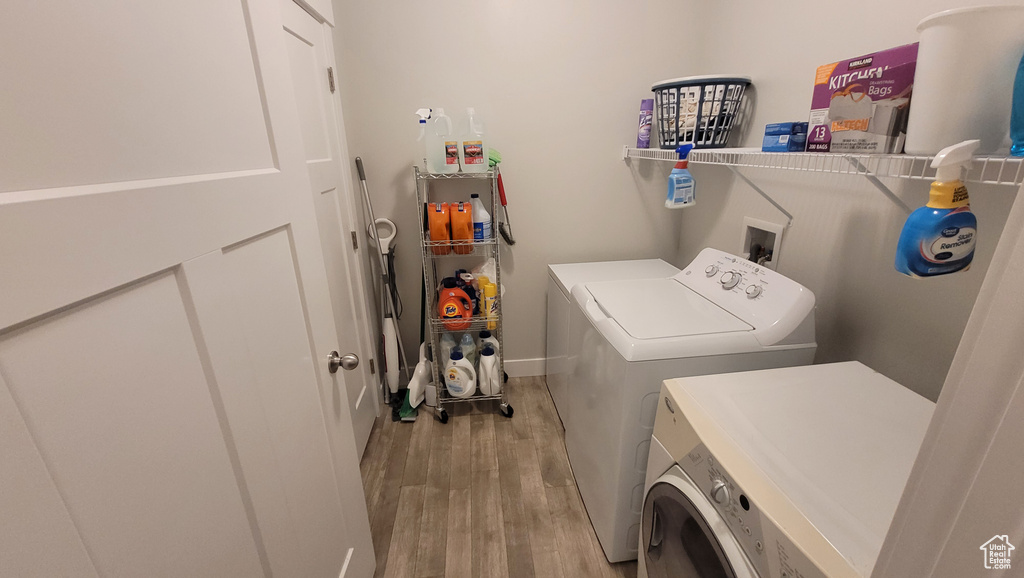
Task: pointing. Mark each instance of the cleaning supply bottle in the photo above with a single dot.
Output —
(472, 150)
(440, 227)
(454, 306)
(420, 377)
(939, 237)
(1017, 113)
(442, 146)
(424, 114)
(468, 346)
(447, 345)
(490, 306)
(480, 281)
(460, 376)
(481, 219)
(681, 187)
(466, 284)
(488, 372)
(487, 338)
(462, 227)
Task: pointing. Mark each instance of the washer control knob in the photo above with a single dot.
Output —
(720, 492)
(753, 291)
(711, 270)
(731, 279)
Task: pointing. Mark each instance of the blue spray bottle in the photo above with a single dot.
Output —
(939, 237)
(681, 186)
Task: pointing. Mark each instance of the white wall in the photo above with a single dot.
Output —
(559, 86)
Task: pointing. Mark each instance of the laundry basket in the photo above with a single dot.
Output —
(698, 110)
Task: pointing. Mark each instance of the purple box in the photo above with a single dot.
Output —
(861, 105)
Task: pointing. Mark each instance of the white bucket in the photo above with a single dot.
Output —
(963, 86)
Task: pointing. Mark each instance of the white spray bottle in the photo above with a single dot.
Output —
(424, 114)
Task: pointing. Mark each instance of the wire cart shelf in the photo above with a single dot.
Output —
(461, 250)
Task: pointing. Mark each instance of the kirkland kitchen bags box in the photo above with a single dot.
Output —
(861, 105)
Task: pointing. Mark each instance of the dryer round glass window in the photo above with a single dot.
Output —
(677, 541)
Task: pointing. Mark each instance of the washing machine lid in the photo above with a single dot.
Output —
(662, 308)
(566, 275)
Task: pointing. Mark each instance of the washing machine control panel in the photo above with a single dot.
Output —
(770, 551)
(754, 293)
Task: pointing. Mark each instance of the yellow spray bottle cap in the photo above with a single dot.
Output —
(948, 191)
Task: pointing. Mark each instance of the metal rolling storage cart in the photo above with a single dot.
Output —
(481, 250)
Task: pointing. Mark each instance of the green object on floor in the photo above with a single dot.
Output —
(408, 412)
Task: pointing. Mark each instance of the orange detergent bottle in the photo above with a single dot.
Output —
(440, 227)
(454, 306)
(462, 227)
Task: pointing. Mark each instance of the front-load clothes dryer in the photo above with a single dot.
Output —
(720, 314)
(561, 279)
(781, 473)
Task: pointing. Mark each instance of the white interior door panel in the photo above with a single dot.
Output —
(165, 317)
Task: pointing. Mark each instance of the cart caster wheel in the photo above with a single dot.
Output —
(441, 415)
(506, 410)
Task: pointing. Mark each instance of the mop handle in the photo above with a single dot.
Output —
(388, 299)
(373, 220)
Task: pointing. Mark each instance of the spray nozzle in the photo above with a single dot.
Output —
(424, 114)
(684, 150)
(951, 161)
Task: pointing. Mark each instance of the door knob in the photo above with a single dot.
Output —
(349, 361)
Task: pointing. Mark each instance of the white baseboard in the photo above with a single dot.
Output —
(525, 367)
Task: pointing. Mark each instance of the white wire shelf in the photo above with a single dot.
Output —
(472, 325)
(993, 170)
(425, 176)
(459, 248)
(649, 154)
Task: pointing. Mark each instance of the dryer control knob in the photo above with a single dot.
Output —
(731, 279)
(753, 291)
(711, 270)
(720, 492)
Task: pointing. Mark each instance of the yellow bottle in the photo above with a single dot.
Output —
(490, 308)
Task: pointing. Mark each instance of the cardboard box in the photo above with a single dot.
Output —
(861, 105)
(777, 128)
(784, 143)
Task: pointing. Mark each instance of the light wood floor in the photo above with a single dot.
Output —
(483, 495)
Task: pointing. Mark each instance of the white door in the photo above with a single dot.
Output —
(309, 50)
(165, 405)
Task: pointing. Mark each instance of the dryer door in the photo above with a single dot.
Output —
(683, 536)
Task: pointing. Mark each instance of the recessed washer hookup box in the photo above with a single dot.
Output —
(861, 105)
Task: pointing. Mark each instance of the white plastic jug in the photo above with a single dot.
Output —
(472, 146)
(490, 383)
(442, 146)
(488, 338)
(460, 376)
(482, 228)
(447, 344)
(468, 346)
(963, 83)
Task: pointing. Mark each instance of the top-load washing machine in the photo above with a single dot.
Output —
(561, 279)
(781, 473)
(720, 314)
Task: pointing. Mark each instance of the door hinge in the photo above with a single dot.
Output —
(355, 241)
(330, 77)
(373, 370)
